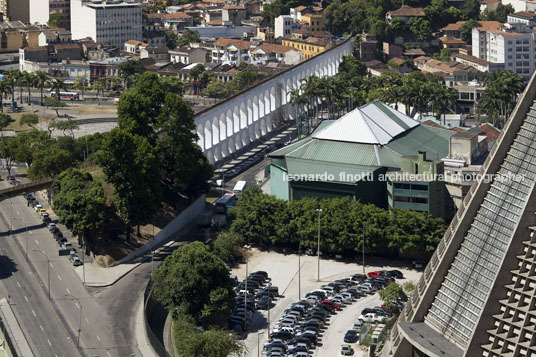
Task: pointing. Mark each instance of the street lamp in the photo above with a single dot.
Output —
(24, 224)
(258, 343)
(247, 246)
(319, 210)
(299, 272)
(80, 319)
(363, 247)
(48, 269)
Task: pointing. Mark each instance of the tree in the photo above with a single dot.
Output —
(8, 148)
(56, 19)
(420, 28)
(183, 164)
(130, 67)
(466, 30)
(195, 72)
(171, 39)
(471, 9)
(190, 342)
(42, 81)
(408, 287)
(80, 84)
(57, 85)
(172, 84)
(27, 142)
(195, 281)
(226, 245)
(55, 103)
(11, 77)
(188, 36)
(29, 119)
(131, 165)
(67, 125)
(5, 119)
(215, 89)
(49, 159)
(29, 80)
(79, 203)
(392, 293)
(4, 89)
(500, 14)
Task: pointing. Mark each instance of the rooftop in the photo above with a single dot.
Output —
(472, 59)
(407, 11)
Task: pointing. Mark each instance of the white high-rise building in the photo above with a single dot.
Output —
(511, 44)
(106, 21)
(284, 25)
(27, 11)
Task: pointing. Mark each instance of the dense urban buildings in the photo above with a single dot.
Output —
(476, 297)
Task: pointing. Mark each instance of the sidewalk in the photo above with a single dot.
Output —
(15, 333)
(96, 276)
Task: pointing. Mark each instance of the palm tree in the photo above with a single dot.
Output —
(11, 78)
(80, 85)
(4, 89)
(309, 88)
(30, 81)
(57, 85)
(298, 100)
(41, 81)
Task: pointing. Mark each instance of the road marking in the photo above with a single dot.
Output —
(108, 353)
(50, 344)
(33, 312)
(19, 284)
(68, 292)
(52, 266)
(18, 213)
(87, 320)
(36, 242)
(30, 232)
(78, 306)
(98, 338)
(59, 277)
(41, 327)
(26, 298)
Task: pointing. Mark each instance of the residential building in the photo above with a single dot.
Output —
(309, 47)
(230, 51)
(267, 52)
(368, 48)
(284, 25)
(233, 14)
(297, 12)
(453, 71)
(51, 35)
(63, 7)
(418, 186)
(452, 43)
(520, 5)
(236, 32)
(132, 46)
(187, 55)
(476, 295)
(65, 51)
(106, 68)
(514, 45)
(265, 34)
(15, 35)
(313, 22)
(522, 17)
(69, 71)
(392, 50)
(153, 34)
(480, 64)
(400, 65)
(100, 51)
(490, 5)
(159, 54)
(405, 13)
(469, 93)
(176, 22)
(350, 156)
(110, 21)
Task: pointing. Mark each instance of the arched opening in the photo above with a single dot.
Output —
(257, 130)
(224, 149)
(209, 156)
(267, 108)
(208, 135)
(272, 99)
(229, 121)
(245, 137)
(223, 127)
(269, 123)
(231, 146)
(201, 135)
(238, 142)
(261, 106)
(263, 127)
(256, 114)
(250, 112)
(236, 118)
(217, 154)
(215, 130)
(243, 116)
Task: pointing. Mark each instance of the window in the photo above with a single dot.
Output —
(402, 199)
(419, 187)
(403, 186)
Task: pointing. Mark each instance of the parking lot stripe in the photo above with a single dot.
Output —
(59, 277)
(33, 312)
(19, 284)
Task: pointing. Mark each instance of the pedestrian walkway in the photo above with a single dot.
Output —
(13, 332)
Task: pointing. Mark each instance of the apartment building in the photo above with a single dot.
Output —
(230, 51)
(511, 44)
(15, 34)
(32, 11)
(284, 26)
(110, 21)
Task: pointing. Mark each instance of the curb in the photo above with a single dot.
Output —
(102, 285)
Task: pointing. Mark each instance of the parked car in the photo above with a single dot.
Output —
(75, 260)
(418, 264)
(351, 336)
(374, 274)
(264, 302)
(330, 304)
(396, 274)
(371, 317)
(51, 227)
(11, 179)
(37, 207)
(347, 350)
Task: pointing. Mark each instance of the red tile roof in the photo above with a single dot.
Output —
(229, 41)
(407, 11)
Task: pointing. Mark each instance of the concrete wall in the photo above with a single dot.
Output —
(182, 220)
(250, 114)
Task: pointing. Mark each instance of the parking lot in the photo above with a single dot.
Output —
(283, 271)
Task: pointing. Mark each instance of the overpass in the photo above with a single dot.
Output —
(18, 190)
(232, 124)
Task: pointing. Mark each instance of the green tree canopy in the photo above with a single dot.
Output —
(29, 119)
(466, 30)
(8, 150)
(392, 293)
(420, 28)
(196, 281)
(56, 19)
(188, 36)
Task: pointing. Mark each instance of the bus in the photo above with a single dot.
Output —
(239, 187)
(224, 203)
(66, 95)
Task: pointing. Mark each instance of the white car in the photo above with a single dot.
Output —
(370, 317)
(37, 208)
(75, 260)
(365, 289)
(357, 325)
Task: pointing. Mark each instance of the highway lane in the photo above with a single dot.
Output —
(43, 330)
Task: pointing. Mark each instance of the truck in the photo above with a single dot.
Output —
(239, 187)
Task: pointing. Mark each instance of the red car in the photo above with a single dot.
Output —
(374, 274)
(331, 304)
(386, 308)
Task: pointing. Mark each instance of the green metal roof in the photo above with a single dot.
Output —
(435, 141)
(336, 152)
(311, 170)
(291, 147)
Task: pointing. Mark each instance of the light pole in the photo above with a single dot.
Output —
(11, 220)
(299, 272)
(258, 343)
(48, 269)
(79, 321)
(319, 210)
(363, 247)
(24, 224)
(246, 291)
(269, 306)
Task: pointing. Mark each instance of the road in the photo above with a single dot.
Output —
(52, 327)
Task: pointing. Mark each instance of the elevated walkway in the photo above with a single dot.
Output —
(18, 190)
